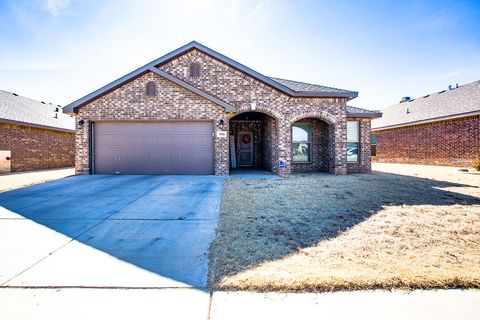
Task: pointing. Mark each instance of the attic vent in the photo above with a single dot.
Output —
(195, 70)
(16, 95)
(405, 99)
(151, 89)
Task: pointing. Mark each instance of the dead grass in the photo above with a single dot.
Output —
(406, 227)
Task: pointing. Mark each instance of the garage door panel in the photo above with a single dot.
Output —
(154, 147)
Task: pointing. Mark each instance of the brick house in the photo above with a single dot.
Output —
(441, 128)
(34, 135)
(196, 111)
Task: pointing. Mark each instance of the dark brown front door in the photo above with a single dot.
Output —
(245, 149)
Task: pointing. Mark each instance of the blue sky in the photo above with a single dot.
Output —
(60, 50)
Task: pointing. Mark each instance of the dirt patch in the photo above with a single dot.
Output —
(400, 227)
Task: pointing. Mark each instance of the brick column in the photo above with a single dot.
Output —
(284, 147)
(338, 147)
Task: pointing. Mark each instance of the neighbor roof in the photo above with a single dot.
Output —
(447, 104)
(362, 113)
(25, 111)
(315, 91)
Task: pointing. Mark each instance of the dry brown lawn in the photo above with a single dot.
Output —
(403, 226)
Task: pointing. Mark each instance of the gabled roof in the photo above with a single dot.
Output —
(28, 112)
(362, 113)
(443, 105)
(73, 107)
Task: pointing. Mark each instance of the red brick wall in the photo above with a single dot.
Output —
(37, 149)
(451, 143)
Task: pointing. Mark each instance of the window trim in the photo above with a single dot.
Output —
(373, 145)
(310, 143)
(356, 142)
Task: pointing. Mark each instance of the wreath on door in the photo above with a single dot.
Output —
(246, 138)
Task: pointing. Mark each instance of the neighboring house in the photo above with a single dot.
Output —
(196, 111)
(34, 135)
(441, 128)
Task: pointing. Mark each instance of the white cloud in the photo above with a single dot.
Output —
(55, 6)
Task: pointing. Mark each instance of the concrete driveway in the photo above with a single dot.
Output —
(109, 231)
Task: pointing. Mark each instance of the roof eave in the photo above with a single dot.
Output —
(325, 94)
(35, 125)
(365, 115)
(425, 121)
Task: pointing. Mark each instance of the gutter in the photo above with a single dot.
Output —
(365, 115)
(34, 125)
(430, 120)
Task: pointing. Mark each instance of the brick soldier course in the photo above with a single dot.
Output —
(227, 93)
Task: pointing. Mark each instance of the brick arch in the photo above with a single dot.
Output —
(322, 115)
(259, 109)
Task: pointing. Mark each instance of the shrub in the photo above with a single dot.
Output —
(476, 163)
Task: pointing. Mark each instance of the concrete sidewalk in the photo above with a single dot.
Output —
(90, 303)
(12, 181)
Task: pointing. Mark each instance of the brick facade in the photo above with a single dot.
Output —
(453, 143)
(247, 94)
(37, 149)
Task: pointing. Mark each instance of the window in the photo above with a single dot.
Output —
(352, 141)
(151, 89)
(195, 70)
(301, 142)
(373, 139)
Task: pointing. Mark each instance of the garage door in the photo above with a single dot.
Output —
(153, 148)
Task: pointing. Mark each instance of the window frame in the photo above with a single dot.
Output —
(373, 146)
(310, 143)
(356, 142)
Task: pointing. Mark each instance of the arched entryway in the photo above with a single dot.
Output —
(253, 141)
(312, 142)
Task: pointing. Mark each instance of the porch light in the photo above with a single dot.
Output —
(221, 123)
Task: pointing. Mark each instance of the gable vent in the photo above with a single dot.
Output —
(195, 70)
(151, 89)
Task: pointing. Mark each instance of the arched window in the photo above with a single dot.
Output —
(151, 89)
(195, 70)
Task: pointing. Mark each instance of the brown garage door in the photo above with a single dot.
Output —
(153, 148)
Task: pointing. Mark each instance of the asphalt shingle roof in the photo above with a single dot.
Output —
(298, 86)
(359, 112)
(18, 109)
(460, 101)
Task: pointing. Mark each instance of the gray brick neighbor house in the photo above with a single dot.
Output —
(196, 111)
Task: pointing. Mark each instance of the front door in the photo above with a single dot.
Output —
(245, 149)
